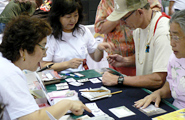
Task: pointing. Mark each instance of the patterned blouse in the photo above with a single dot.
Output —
(124, 45)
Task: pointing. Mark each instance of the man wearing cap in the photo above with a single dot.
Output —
(152, 45)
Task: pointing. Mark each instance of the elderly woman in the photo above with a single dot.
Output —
(23, 47)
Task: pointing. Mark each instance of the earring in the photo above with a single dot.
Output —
(24, 58)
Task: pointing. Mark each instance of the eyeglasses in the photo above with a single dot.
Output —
(174, 37)
(42, 47)
(124, 19)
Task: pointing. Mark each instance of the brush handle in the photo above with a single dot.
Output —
(109, 94)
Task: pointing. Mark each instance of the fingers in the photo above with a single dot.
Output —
(147, 100)
(106, 46)
(86, 108)
(147, 103)
(75, 63)
(157, 102)
(80, 60)
(144, 102)
(79, 107)
(78, 112)
(109, 79)
(104, 76)
(110, 61)
(139, 103)
(114, 56)
(111, 46)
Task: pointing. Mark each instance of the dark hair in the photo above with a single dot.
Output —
(59, 9)
(23, 32)
(26, 5)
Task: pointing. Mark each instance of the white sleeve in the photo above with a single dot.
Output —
(92, 43)
(15, 93)
(51, 49)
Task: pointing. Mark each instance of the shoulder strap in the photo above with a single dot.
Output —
(163, 15)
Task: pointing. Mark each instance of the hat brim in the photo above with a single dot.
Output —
(114, 16)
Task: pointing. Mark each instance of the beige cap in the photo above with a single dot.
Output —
(122, 7)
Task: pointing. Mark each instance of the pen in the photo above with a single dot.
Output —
(76, 76)
(44, 68)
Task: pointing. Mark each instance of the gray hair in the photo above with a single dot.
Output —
(179, 18)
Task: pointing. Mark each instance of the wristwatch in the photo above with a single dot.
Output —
(120, 80)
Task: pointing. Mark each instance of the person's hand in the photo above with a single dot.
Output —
(115, 60)
(154, 97)
(106, 46)
(75, 63)
(78, 108)
(109, 79)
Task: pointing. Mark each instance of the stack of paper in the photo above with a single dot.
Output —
(62, 94)
(96, 95)
(57, 96)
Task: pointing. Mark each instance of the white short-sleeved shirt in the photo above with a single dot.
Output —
(74, 45)
(14, 91)
(156, 59)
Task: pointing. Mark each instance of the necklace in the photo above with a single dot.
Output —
(148, 41)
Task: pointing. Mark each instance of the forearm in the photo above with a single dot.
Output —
(108, 26)
(97, 55)
(165, 91)
(151, 81)
(57, 110)
(170, 7)
(57, 66)
(129, 61)
(171, 3)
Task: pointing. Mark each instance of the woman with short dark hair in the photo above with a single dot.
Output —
(23, 47)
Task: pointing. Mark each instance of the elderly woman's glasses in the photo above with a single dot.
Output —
(174, 37)
(42, 47)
